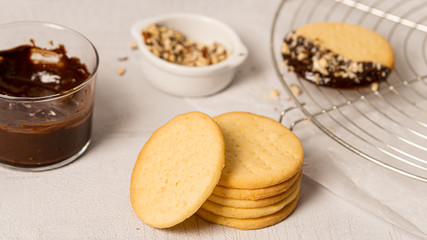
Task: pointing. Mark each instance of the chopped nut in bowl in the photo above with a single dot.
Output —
(188, 55)
(175, 47)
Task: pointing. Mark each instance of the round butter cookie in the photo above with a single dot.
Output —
(338, 55)
(241, 203)
(259, 193)
(259, 151)
(250, 223)
(177, 170)
(235, 212)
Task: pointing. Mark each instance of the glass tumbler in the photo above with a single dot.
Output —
(42, 133)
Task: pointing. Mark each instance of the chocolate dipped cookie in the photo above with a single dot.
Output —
(339, 55)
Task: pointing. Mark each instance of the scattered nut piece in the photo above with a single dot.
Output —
(120, 70)
(374, 86)
(274, 93)
(122, 59)
(133, 45)
(295, 90)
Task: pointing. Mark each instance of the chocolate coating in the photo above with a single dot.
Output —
(325, 68)
(41, 133)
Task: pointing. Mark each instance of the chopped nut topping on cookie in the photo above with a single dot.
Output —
(174, 47)
(312, 61)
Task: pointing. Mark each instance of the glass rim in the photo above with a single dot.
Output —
(64, 93)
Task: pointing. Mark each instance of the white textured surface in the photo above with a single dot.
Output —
(89, 199)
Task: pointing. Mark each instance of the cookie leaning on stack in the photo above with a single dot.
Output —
(259, 185)
(177, 170)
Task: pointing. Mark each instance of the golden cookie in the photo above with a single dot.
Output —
(235, 212)
(260, 152)
(250, 223)
(241, 203)
(177, 170)
(256, 194)
(339, 55)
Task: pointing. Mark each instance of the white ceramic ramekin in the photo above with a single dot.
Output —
(188, 81)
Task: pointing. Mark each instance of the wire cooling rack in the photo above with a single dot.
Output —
(388, 125)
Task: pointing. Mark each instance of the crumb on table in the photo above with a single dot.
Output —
(120, 70)
(274, 93)
(122, 59)
(133, 45)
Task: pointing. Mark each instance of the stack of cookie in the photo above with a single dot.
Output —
(260, 183)
(238, 169)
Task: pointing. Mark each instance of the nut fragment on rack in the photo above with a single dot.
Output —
(295, 90)
(174, 47)
(374, 86)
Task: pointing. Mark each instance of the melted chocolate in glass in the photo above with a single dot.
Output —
(34, 135)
